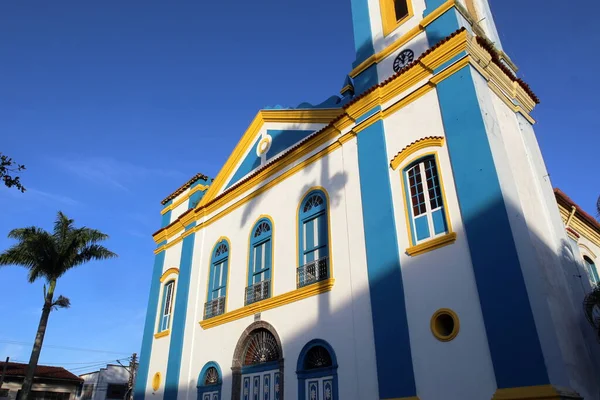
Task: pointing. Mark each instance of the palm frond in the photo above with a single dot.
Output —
(61, 302)
(93, 252)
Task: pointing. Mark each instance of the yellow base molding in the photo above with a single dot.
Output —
(162, 334)
(273, 302)
(432, 244)
(544, 392)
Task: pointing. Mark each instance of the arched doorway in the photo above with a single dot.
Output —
(257, 369)
(209, 382)
(317, 372)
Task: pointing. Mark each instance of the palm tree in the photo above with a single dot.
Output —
(591, 306)
(48, 256)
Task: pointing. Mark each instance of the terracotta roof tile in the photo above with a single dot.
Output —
(41, 371)
(561, 196)
(183, 187)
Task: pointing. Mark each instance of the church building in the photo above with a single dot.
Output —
(398, 241)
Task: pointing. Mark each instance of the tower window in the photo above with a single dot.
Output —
(394, 13)
(401, 9)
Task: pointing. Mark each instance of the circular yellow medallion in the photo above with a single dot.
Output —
(445, 324)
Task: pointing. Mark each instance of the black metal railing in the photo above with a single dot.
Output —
(313, 271)
(214, 307)
(257, 292)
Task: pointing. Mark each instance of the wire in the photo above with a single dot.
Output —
(60, 364)
(64, 347)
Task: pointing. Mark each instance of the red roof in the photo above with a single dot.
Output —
(41, 371)
(560, 195)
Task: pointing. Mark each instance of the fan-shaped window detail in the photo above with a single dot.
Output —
(264, 227)
(217, 280)
(317, 372)
(317, 357)
(591, 270)
(261, 348)
(210, 382)
(260, 262)
(313, 238)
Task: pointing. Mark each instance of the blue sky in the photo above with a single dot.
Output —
(113, 105)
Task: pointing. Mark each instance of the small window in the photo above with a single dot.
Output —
(116, 391)
(88, 392)
(167, 306)
(400, 9)
(425, 200)
(394, 13)
(591, 270)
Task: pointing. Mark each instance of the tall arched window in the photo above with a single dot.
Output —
(217, 281)
(167, 306)
(260, 262)
(591, 270)
(313, 238)
(317, 372)
(210, 382)
(425, 200)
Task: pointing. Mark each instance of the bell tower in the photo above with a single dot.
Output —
(390, 34)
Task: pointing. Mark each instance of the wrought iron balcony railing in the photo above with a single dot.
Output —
(313, 271)
(214, 307)
(257, 292)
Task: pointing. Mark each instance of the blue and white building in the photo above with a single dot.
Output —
(399, 241)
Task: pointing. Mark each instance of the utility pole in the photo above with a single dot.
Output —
(132, 374)
(4, 372)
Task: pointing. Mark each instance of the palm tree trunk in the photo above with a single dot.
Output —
(39, 340)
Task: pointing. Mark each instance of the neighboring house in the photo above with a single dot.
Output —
(400, 240)
(584, 232)
(49, 383)
(107, 383)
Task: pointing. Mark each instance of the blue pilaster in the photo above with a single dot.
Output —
(180, 311)
(363, 38)
(390, 326)
(149, 326)
(512, 336)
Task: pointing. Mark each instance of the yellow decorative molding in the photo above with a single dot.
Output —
(368, 122)
(346, 88)
(168, 272)
(185, 197)
(435, 329)
(432, 244)
(544, 392)
(273, 302)
(388, 15)
(162, 334)
(433, 141)
(587, 250)
(156, 379)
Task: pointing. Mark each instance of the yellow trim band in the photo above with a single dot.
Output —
(435, 141)
(544, 392)
(162, 334)
(168, 272)
(432, 244)
(273, 302)
(184, 198)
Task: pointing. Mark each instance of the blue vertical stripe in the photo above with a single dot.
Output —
(392, 345)
(512, 336)
(142, 377)
(363, 38)
(179, 314)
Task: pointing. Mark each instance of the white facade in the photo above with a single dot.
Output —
(107, 383)
(441, 272)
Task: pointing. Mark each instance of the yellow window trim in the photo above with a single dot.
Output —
(219, 240)
(432, 141)
(168, 272)
(162, 334)
(432, 244)
(546, 392)
(388, 15)
(265, 216)
(267, 304)
(438, 335)
(383, 95)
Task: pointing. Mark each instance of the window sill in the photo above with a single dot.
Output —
(162, 334)
(267, 304)
(432, 244)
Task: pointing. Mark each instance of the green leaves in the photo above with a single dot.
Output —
(50, 255)
(7, 170)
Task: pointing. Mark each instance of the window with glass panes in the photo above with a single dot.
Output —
(218, 273)
(260, 252)
(167, 306)
(425, 199)
(591, 270)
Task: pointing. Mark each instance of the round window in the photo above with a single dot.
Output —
(445, 324)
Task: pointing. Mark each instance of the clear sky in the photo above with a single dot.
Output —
(113, 105)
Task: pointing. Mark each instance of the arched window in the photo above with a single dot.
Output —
(425, 200)
(591, 270)
(210, 382)
(258, 363)
(217, 280)
(317, 372)
(260, 262)
(167, 306)
(313, 238)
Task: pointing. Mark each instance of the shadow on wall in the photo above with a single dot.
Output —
(342, 318)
